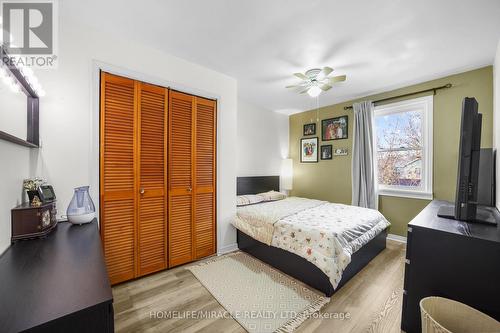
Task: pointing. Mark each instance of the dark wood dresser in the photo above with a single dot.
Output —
(56, 284)
(451, 259)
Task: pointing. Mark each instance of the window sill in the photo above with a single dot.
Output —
(406, 194)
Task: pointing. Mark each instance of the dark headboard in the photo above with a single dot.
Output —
(259, 184)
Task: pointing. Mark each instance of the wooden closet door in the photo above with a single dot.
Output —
(180, 224)
(204, 189)
(118, 204)
(152, 191)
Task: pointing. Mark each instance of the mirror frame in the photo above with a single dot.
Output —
(33, 107)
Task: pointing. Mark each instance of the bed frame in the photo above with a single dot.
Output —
(293, 264)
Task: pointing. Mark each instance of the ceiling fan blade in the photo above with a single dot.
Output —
(303, 91)
(299, 85)
(301, 76)
(324, 73)
(339, 78)
(325, 87)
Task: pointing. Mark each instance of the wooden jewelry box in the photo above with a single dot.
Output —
(33, 222)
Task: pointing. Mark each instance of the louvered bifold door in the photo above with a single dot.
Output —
(204, 189)
(152, 192)
(118, 204)
(180, 223)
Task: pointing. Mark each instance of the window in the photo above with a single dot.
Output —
(403, 141)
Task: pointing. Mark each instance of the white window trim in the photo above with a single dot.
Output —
(427, 103)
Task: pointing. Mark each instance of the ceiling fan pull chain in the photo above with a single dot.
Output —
(317, 109)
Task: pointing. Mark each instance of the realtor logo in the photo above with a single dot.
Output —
(27, 27)
(29, 32)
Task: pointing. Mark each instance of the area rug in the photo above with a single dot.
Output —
(258, 296)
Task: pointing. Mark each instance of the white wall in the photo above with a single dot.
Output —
(262, 140)
(496, 117)
(69, 116)
(14, 167)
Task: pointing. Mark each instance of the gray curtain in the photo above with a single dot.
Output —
(364, 192)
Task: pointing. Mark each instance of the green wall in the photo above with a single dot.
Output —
(331, 179)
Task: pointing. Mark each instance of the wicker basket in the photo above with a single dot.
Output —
(441, 315)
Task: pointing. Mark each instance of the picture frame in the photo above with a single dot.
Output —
(309, 150)
(309, 129)
(326, 152)
(340, 152)
(335, 128)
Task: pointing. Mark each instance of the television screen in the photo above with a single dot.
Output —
(466, 198)
(468, 161)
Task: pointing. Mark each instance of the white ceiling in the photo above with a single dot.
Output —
(378, 44)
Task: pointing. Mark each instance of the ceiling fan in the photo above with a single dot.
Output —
(316, 80)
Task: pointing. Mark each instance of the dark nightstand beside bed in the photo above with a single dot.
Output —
(56, 284)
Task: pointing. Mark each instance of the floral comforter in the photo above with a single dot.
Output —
(326, 234)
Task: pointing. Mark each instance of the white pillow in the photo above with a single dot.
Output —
(249, 199)
(272, 196)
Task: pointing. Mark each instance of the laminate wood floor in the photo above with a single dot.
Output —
(373, 298)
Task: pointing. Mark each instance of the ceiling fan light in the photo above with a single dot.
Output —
(314, 91)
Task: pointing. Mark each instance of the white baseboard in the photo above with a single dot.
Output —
(396, 238)
(227, 249)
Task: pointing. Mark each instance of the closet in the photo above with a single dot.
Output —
(157, 177)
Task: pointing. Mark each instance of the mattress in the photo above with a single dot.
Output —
(326, 234)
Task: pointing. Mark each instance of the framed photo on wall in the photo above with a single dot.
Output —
(309, 129)
(326, 152)
(334, 128)
(309, 150)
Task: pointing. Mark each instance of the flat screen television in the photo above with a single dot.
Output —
(466, 199)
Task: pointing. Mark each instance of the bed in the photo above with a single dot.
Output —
(291, 263)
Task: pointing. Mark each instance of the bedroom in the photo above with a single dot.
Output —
(175, 113)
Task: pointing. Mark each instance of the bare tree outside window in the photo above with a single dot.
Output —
(399, 149)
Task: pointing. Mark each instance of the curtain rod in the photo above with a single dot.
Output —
(446, 86)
